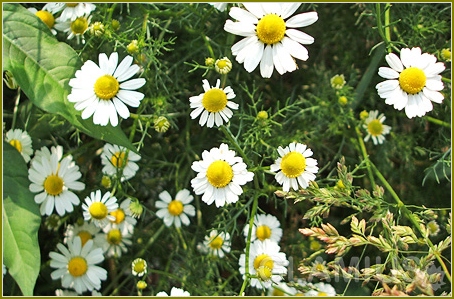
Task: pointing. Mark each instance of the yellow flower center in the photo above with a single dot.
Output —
(175, 207)
(264, 264)
(277, 292)
(119, 216)
(114, 236)
(77, 266)
(263, 232)
(412, 80)
(216, 243)
(106, 87)
(98, 210)
(71, 4)
(79, 25)
(46, 17)
(221, 63)
(118, 159)
(219, 174)
(375, 127)
(17, 144)
(53, 185)
(293, 164)
(338, 81)
(84, 236)
(214, 100)
(271, 29)
(139, 266)
(319, 267)
(322, 294)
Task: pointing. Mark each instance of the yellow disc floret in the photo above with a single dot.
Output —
(175, 208)
(53, 185)
(219, 173)
(214, 100)
(271, 29)
(106, 87)
(293, 164)
(412, 80)
(77, 266)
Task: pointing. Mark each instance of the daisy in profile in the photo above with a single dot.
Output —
(53, 180)
(375, 127)
(321, 289)
(269, 36)
(175, 211)
(213, 105)
(70, 11)
(174, 292)
(220, 176)
(123, 219)
(265, 262)
(85, 232)
(266, 227)
(97, 209)
(113, 242)
(21, 141)
(294, 167)
(46, 16)
(217, 243)
(119, 161)
(413, 81)
(76, 266)
(104, 91)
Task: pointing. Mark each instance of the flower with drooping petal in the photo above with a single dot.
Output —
(70, 11)
(21, 141)
(265, 227)
(85, 232)
(46, 16)
(413, 81)
(217, 243)
(220, 176)
(119, 161)
(104, 91)
(175, 211)
(114, 241)
(375, 127)
(269, 36)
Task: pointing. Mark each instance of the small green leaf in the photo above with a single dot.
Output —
(21, 220)
(43, 66)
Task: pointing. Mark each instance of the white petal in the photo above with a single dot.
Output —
(394, 62)
(302, 20)
(266, 64)
(133, 84)
(299, 36)
(295, 49)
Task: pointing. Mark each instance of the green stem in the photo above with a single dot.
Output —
(232, 140)
(408, 214)
(185, 247)
(437, 121)
(151, 240)
(365, 156)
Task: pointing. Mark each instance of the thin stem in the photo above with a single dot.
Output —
(185, 247)
(437, 121)
(365, 156)
(235, 144)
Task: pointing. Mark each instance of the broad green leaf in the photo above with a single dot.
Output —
(43, 66)
(21, 220)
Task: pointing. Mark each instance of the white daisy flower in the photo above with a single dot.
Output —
(213, 105)
(123, 219)
(75, 28)
(321, 289)
(21, 141)
(52, 180)
(46, 16)
(220, 176)
(76, 266)
(375, 127)
(221, 6)
(413, 81)
(217, 243)
(113, 242)
(119, 161)
(175, 211)
(70, 11)
(266, 262)
(174, 292)
(98, 209)
(270, 38)
(103, 91)
(294, 166)
(85, 232)
(266, 227)
(281, 289)
(139, 267)
(46, 153)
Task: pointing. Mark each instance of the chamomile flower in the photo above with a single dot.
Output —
(321, 289)
(70, 11)
(113, 242)
(413, 81)
(266, 227)
(97, 209)
(220, 176)
(266, 262)
(75, 28)
(76, 266)
(174, 292)
(375, 127)
(46, 16)
(46, 153)
(217, 243)
(139, 267)
(21, 141)
(85, 232)
(103, 91)
(433, 228)
(337, 81)
(175, 211)
(213, 105)
(123, 219)
(294, 167)
(223, 66)
(119, 161)
(53, 180)
(270, 37)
